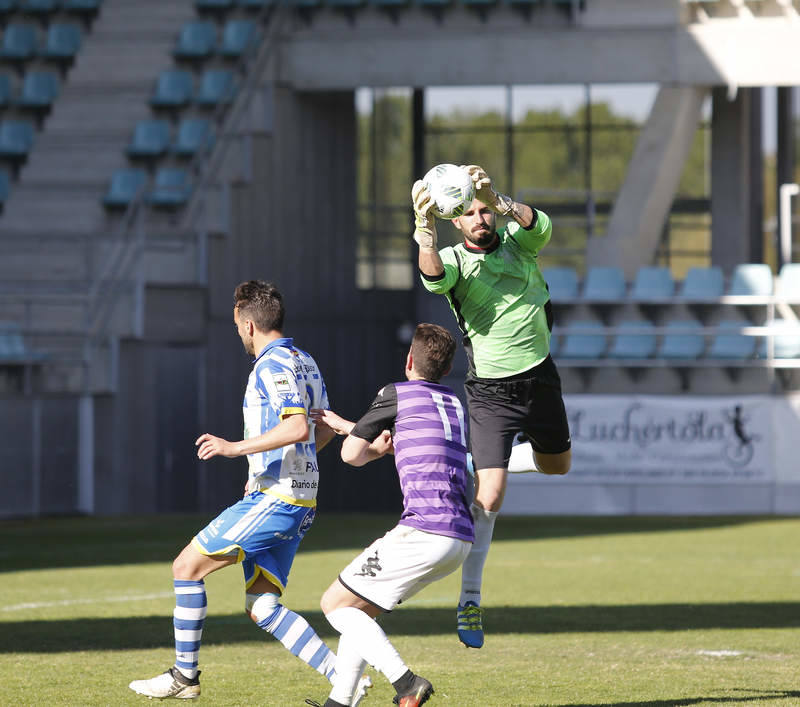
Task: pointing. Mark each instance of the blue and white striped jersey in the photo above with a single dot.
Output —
(284, 381)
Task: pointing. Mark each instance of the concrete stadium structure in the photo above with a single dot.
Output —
(127, 316)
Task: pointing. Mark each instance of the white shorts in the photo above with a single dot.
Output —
(401, 563)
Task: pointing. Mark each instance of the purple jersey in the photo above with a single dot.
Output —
(427, 425)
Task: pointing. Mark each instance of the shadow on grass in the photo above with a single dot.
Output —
(92, 541)
(753, 696)
(152, 632)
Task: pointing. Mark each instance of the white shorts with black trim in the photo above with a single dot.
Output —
(401, 563)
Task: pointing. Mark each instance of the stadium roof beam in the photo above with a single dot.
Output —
(742, 50)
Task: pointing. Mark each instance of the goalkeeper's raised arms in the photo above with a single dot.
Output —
(424, 221)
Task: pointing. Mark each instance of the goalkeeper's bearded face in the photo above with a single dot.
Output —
(478, 224)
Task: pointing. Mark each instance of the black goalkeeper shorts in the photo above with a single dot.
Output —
(529, 403)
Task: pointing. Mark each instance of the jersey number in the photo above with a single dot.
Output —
(445, 403)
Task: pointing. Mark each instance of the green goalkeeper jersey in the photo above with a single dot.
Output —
(498, 297)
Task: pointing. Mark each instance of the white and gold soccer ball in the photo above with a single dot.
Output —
(452, 189)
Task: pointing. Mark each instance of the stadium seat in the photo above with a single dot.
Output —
(604, 284)
(16, 139)
(751, 279)
(345, 4)
(173, 89)
(785, 339)
(789, 282)
(237, 37)
(19, 42)
(702, 284)
(171, 189)
(634, 340)
(196, 40)
(216, 86)
(124, 186)
(730, 344)
(652, 283)
(150, 139)
(39, 90)
(562, 283)
(584, 345)
(194, 134)
(391, 4)
(680, 342)
(62, 42)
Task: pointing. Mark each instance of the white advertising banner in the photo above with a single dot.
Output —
(686, 439)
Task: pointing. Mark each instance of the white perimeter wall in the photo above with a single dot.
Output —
(672, 455)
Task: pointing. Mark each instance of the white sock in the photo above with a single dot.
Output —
(522, 459)
(349, 669)
(367, 637)
(472, 569)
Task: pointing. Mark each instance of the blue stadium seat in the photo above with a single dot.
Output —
(652, 283)
(237, 37)
(633, 340)
(171, 189)
(584, 345)
(39, 90)
(150, 139)
(751, 279)
(785, 340)
(5, 186)
(6, 90)
(125, 184)
(62, 42)
(194, 134)
(703, 284)
(196, 40)
(789, 281)
(562, 282)
(19, 42)
(730, 344)
(173, 89)
(216, 86)
(604, 284)
(16, 139)
(680, 342)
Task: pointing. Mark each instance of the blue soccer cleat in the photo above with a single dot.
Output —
(470, 626)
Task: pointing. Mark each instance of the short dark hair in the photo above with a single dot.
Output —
(261, 303)
(432, 350)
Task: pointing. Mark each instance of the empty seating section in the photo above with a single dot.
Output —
(671, 335)
(39, 40)
(604, 284)
(653, 283)
(187, 103)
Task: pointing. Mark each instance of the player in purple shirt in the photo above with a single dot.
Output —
(423, 423)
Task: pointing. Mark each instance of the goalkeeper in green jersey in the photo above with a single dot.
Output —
(501, 302)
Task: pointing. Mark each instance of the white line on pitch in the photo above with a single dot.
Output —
(71, 602)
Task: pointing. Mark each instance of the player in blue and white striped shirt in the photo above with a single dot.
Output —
(264, 529)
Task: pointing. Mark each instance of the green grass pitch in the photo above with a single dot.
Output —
(579, 611)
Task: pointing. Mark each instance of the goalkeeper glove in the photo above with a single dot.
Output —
(499, 203)
(424, 221)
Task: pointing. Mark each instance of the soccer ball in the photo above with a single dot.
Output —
(452, 189)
